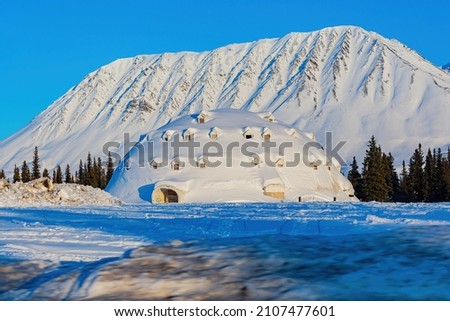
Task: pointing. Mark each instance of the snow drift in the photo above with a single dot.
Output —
(42, 192)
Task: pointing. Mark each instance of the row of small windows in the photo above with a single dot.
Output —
(202, 163)
(177, 164)
(247, 133)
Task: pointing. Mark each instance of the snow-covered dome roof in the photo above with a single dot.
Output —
(250, 158)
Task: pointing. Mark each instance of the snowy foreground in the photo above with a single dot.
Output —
(282, 251)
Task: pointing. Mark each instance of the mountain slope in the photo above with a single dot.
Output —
(344, 79)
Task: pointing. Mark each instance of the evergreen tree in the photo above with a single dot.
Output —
(100, 174)
(374, 186)
(439, 190)
(16, 177)
(89, 170)
(94, 175)
(68, 175)
(110, 169)
(429, 177)
(416, 175)
(25, 175)
(36, 167)
(80, 173)
(54, 177)
(86, 175)
(355, 178)
(391, 177)
(2, 174)
(45, 173)
(405, 185)
(58, 178)
(445, 189)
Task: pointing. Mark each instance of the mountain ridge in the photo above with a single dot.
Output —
(344, 79)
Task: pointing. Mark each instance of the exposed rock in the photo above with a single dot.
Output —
(4, 183)
(42, 184)
(42, 192)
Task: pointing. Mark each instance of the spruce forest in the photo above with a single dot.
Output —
(93, 172)
(426, 178)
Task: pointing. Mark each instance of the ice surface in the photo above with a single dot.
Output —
(331, 251)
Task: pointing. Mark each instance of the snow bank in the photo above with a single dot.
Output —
(42, 192)
(405, 264)
(253, 251)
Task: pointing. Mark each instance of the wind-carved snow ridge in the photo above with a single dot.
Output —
(344, 79)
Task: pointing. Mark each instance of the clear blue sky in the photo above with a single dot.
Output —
(46, 46)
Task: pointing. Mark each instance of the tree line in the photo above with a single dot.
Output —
(425, 179)
(92, 172)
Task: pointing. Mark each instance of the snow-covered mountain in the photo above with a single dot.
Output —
(346, 80)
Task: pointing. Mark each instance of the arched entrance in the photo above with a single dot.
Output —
(165, 195)
(171, 195)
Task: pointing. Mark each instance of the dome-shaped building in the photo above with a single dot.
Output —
(228, 155)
